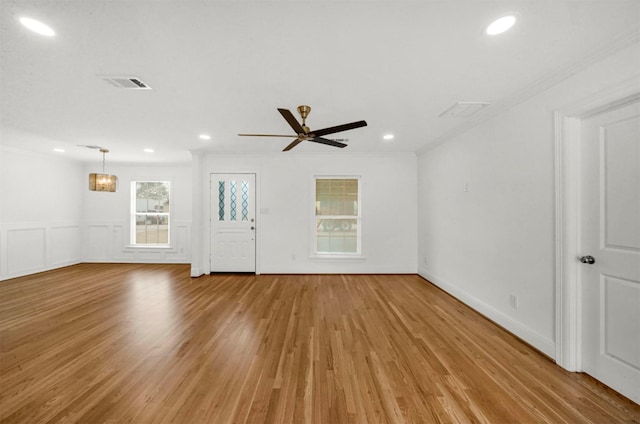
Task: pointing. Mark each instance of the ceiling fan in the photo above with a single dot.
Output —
(303, 133)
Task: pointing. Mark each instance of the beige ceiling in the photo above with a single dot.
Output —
(223, 67)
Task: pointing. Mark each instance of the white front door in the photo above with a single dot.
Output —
(233, 216)
(610, 233)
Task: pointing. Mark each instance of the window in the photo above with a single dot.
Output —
(150, 213)
(337, 215)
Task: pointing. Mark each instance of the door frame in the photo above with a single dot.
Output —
(211, 214)
(568, 283)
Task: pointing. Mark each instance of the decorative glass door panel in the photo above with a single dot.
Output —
(233, 226)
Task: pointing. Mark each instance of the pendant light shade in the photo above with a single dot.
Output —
(104, 181)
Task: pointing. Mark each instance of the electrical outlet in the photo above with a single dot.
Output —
(424, 260)
(513, 301)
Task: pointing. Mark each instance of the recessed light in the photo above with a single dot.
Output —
(148, 150)
(37, 26)
(500, 25)
(205, 137)
(388, 137)
(58, 150)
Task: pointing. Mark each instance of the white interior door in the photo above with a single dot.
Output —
(233, 216)
(610, 233)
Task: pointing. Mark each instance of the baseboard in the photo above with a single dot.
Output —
(30, 271)
(196, 271)
(544, 345)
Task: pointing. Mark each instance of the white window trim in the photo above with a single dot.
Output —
(149, 246)
(313, 242)
(132, 215)
(343, 257)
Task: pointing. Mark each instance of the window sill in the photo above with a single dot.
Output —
(150, 246)
(339, 258)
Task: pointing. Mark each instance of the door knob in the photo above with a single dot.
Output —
(587, 259)
(253, 228)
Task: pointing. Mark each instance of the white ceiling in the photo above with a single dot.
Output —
(223, 67)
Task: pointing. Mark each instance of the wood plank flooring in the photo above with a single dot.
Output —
(130, 343)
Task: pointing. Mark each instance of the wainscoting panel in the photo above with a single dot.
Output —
(97, 243)
(26, 250)
(65, 245)
(30, 247)
(109, 242)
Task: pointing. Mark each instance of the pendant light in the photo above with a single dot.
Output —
(103, 182)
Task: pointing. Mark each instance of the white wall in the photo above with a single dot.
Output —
(106, 235)
(50, 219)
(40, 212)
(497, 239)
(284, 210)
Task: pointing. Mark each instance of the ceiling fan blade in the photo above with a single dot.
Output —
(293, 144)
(338, 128)
(288, 116)
(328, 142)
(267, 135)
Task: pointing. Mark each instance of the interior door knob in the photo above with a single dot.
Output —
(588, 259)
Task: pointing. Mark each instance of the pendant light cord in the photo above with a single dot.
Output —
(104, 152)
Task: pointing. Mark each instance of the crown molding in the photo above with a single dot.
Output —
(551, 79)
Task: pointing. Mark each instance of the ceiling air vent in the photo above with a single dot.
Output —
(121, 81)
(464, 109)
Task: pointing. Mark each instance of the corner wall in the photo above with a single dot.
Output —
(40, 212)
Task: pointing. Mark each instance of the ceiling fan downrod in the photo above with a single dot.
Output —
(304, 111)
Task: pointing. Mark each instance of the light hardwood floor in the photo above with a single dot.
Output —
(147, 344)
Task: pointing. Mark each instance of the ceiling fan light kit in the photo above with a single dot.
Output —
(304, 133)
